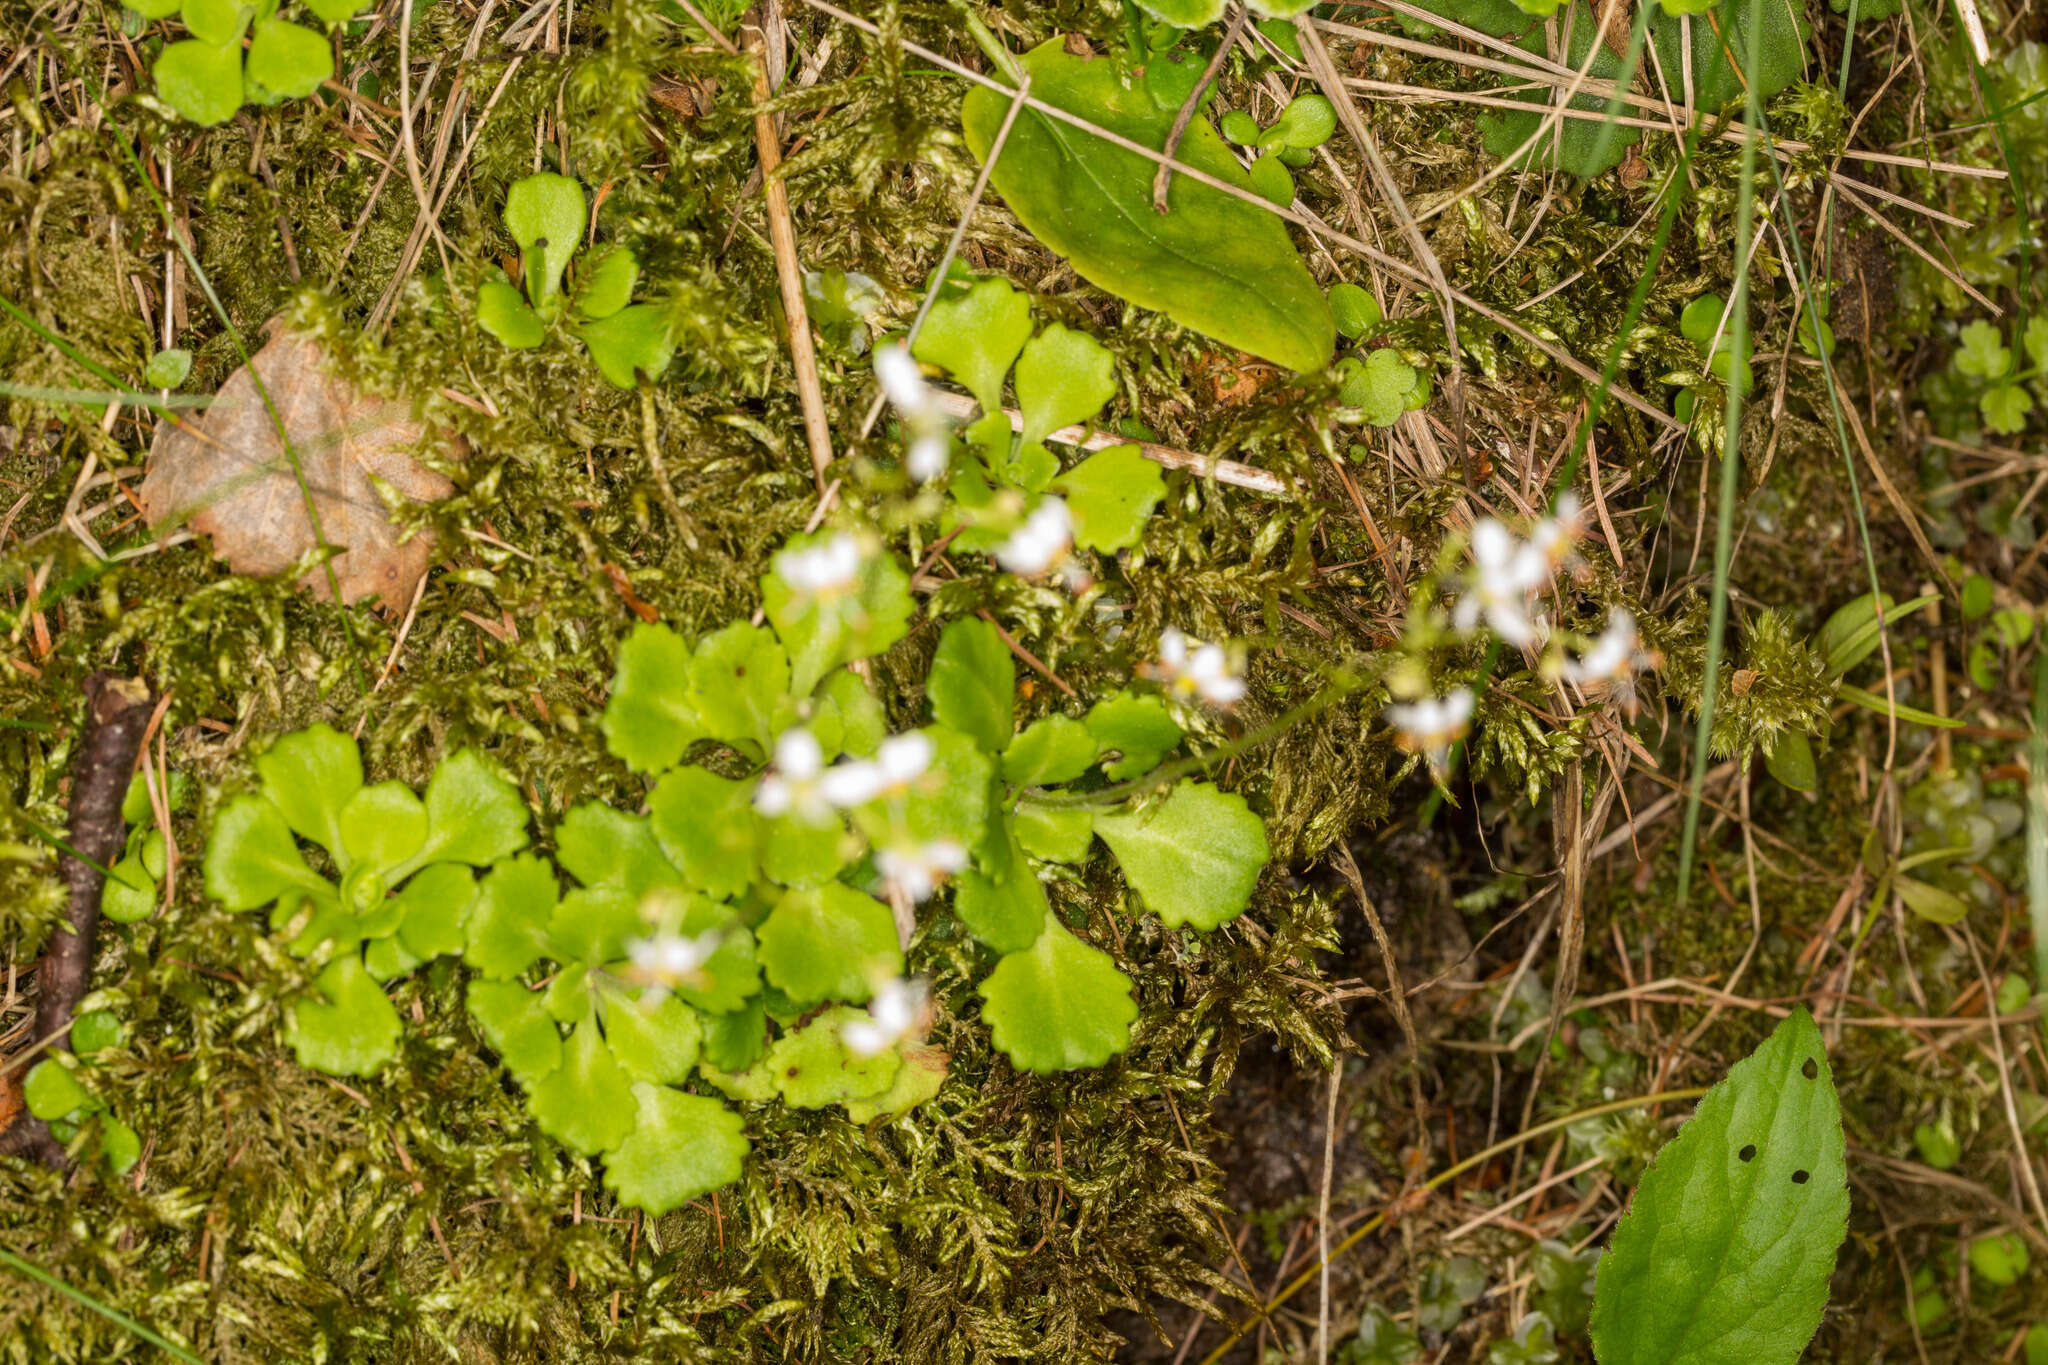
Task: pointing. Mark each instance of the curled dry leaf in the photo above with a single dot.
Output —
(229, 478)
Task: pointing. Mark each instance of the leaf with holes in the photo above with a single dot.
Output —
(1726, 1251)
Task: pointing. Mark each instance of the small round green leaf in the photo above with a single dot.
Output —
(349, 1028)
(812, 1068)
(434, 910)
(216, 21)
(474, 815)
(334, 11)
(975, 335)
(1111, 495)
(1049, 750)
(973, 682)
(167, 369)
(52, 1092)
(739, 681)
(93, 1031)
(503, 311)
(1239, 127)
(600, 846)
(516, 1024)
(1306, 122)
(252, 859)
(654, 1040)
(508, 925)
(608, 285)
(1059, 1004)
(681, 1146)
(829, 943)
(288, 60)
(202, 81)
(707, 826)
(1059, 834)
(119, 1145)
(130, 894)
(1006, 913)
(1139, 728)
(1356, 311)
(1194, 857)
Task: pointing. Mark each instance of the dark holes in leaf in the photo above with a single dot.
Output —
(1799, 1177)
(1811, 1070)
(1748, 1153)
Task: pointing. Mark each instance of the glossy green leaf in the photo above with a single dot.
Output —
(1059, 1004)
(167, 369)
(52, 1092)
(503, 311)
(95, 1031)
(1184, 13)
(288, 60)
(651, 719)
(738, 679)
(1059, 834)
(655, 1042)
(1873, 702)
(474, 815)
(735, 1039)
(1306, 122)
(975, 335)
(1726, 1251)
(508, 924)
(130, 894)
(586, 1103)
(812, 1068)
(1111, 495)
(1049, 750)
(829, 943)
(608, 286)
(383, 825)
(1215, 263)
(202, 81)
(518, 1027)
(216, 21)
(252, 858)
(824, 630)
(155, 9)
(706, 825)
(310, 775)
(1356, 311)
(1194, 857)
(631, 344)
(119, 1144)
(544, 214)
(973, 682)
(1851, 634)
(349, 1028)
(1239, 127)
(680, 1146)
(434, 910)
(1063, 378)
(1139, 727)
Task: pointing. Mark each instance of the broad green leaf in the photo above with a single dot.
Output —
(730, 978)
(1725, 1253)
(518, 1027)
(167, 369)
(1049, 750)
(862, 724)
(508, 924)
(130, 894)
(735, 1039)
(1356, 311)
(1059, 1004)
(287, 60)
(951, 801)
(1215, 263)
(1239, 127)
(975, 335)
(973, 682)
(630, 344)
(216, 21)
(474, 815)
(608, 286)
(1112, 494)
(1579, 146)
(202, 81)
(650, 719)
(568, 997)
(794, 853)
(387, 958)
(1138, 727)
(155, 9)
(706, 825)
(824, 630)
(97, 1030)
(349, 1027)
(599, 846)
(544, 214)
(1063, 378)
(1059, 834)
(383, 825)
(1194, 857)
(1718, 77)
(434, 910)
(586, 1103)
(1005, 912)
(252, 859)
(829, 943)
(655, 1041)
(1702, 318)
(1269, 177)
(52, 1092)
(310, 775)
(812, 1068)
(737, 683)
(504, 312)
(680, 1146)
(2005, 409)
(919, 1077)
(593, 923)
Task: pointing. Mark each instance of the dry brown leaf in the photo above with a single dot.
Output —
(10, 1100)
(232, 481)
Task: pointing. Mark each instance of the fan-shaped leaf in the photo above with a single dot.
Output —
(1194, 857)
(651, 720)
(1059, 1004)
(829, 943)
(973, 682)
(350, 1029)
(680, 1146)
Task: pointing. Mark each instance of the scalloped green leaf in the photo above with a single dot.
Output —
(1194, 857)
(1725, 1253)
(829, 943)
(1111, 495)
(311, 775)
(707, 826)
(383, 825)
(739, 677)
(1006, 912)
(434, 910)
(586, 1103)
(1059, 834)
(651, 719)
(544, 214)
(1214, 263)
(202, 81)
(973, 682)
(824, 630)
(1059, 1004)
(600, 846)
(951, 801)
(1049, 750)
(503, 311)
(974, 334)
(681, 1146)
(735, 1039)
(812, 1068)
(922, 1072)
(508, 924)
(593, 923)
(474, 815)
(794, 853)
(517, 1025)
(630, 345)
(252, 858)
(287, 60)
(349, 1028)
(1063, 377)
(1138, 727)
(655, 1040)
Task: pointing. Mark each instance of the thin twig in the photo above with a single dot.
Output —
(1164, 177)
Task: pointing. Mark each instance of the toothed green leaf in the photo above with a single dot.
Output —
(680, 1146)
(1058, 1004)
(1194, 857)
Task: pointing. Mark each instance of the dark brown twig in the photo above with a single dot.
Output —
(1188, 107)
(117, 714)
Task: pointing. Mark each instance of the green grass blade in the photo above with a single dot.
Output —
(113, 1315)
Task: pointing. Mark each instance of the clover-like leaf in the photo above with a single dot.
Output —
(252, 858)
(508, 924)
(2005, 408)
(1112, 494)
(1059, 834)
(586, 1103)
(474, 815)
(812, 1068)
(706, 825)
(1140, 728)
(1981, 351)
(310, 775)
(504, 312)
(823, 630)
(517, 1025)
(1063, 377)
(1378, 386)
(349, 1028)
(384, 825)
(1194, 857)
(202, 81)
(544, 214)
(1049, 750)
(738, 680)
(608, 286)
(287, 60)
(1725, 1253)
(630, 344)
(51, 1092)
(975, 335)
(650, 719)
(829, 943)
(1059, 1004)
(973, 682)
(680, 1146)
(655, 1040)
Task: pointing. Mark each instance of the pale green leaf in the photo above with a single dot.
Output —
(1060, 834)
(735, 1039)
(975, 334)
(738, 680)
(608, 286)
(474, 815)
(973, 682)
(544, 214)
(334, 11)
(824, 630)
(167, 369)
(1194, 857)
(654, 1040)
(1059, 1004)
(434, 909)
(862, 724)
(1005, 912)
(216, 21)
(1935, 904)
(829, 943)
(681, 1146)
(1184, 13)
(130, 894)
(508, 924)
(922, 1072)
(1049, 750)
(287, 60)
(650, 719)
(812, 1068)
(794, 853)
(503, 311)
(252, 858)
(383, 825)
(202, 81)
(1139, 727)
(630, 345)
(1306, 122)
(593, 923)
(586, 1103)
(706, 825)
(1981, 351)
(310, 775)
(349, 1028)
(1356, 311)
(599, 846)
(1112, 494)
(1063, 378)
(2005, 408)
(51, 1092)
(951, 801)
(518, 1027)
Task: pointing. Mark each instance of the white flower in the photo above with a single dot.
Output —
(903, 759)
(795, 784)
(1556, 537)
(1206, 675)
(1506, 571)
(897, 1009)
(899, 761)
(915, 873)
(823, 570)
(931, 443)
(1041, 542)
(671, 959)
(1432, 725)
(1613, 660)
